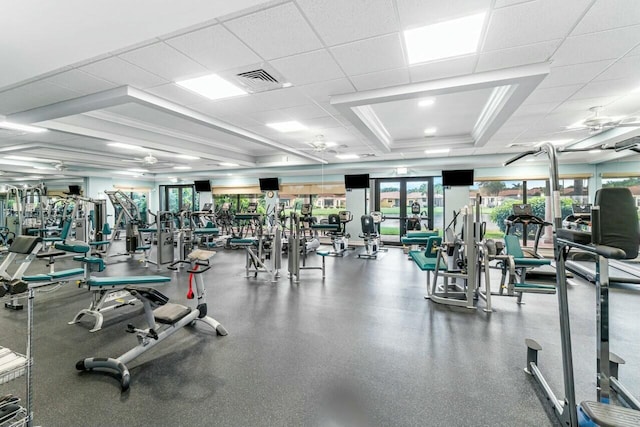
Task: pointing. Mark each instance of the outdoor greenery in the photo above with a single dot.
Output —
(500, 213)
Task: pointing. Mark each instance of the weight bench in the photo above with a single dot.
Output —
(426, 259)
(416, 239)
(106, 290)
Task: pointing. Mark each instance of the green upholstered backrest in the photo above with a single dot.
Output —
(512, 245)
(431, 250)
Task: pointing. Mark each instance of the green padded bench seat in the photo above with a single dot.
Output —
(126, 280)
(52, 277)
(323, 253)
(78, 248)
(214, 231)
(426, 263)
(66, 273)
(242, 241)
(534, 287)
(147, 230)
(418, 237)
(36, 278)
(533, 262)
(99, 243)
(333, 227)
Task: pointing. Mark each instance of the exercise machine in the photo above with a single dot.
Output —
(371, 235)
(463, 264)
(299, 247)
(339, 236)
(161, 322)
(615, 234)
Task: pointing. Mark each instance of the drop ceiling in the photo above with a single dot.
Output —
(346, 69)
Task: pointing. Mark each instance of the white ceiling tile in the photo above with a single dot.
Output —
(608, 14)
(308, 68)
(604, 88)
(276, 32)
(573, 74)
(503, 3)
(370, 55)
(381, 79)
(320, 123)
(165, 61)
(271, 116)
(624, 68)
(541, 96)
(174, 93)
(597, 46)
(634, 51)
(323, 91)
(442, 69)
(33, 95)
(123, 73)
(535, 109)
(532, 22)
(280, 98)
(215, 48)
(340, 21)
(516, 56)
(415, 13)
(573, 106)
(305, 112)
(80, 82)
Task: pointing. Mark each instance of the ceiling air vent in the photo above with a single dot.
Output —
(258, 80)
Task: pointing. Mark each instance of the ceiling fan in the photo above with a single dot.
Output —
(598, 123)
(148, 160)
(61, 166)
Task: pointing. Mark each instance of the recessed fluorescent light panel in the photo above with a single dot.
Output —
(182, 167)
(228, 164)
(137, 170)
(212, 86)
(426, 102)
(126, 146)
(187, 157)
(24, 128)
(347, 156)
(430, 131)
(445, 39)
(437, 151)
(291, 126)
(401, 171)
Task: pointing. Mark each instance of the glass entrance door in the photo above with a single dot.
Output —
(388, 202)
(395, 198)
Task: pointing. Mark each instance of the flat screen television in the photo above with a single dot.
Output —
(269, 184)
(455, 178)
(74, 190)
(202, 186)
(356, 181)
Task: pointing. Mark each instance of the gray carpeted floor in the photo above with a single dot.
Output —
(361, 347)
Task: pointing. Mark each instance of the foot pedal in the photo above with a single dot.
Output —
(610, 415)
(17, 287)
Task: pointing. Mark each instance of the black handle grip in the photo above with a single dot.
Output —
(200, 270)
(173, 265)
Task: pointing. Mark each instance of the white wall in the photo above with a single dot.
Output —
(355, 202)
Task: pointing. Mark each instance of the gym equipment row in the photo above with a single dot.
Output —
(614, 235)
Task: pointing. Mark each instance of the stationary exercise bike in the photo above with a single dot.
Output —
(340, 237)
(162, 321)
(371, 235)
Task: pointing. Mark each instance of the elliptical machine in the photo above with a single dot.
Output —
(371, 235)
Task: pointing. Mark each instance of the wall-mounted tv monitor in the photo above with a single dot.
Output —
(460, 177)
(269, 184)
(74, 190)
(202, 186)
(356, 181)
